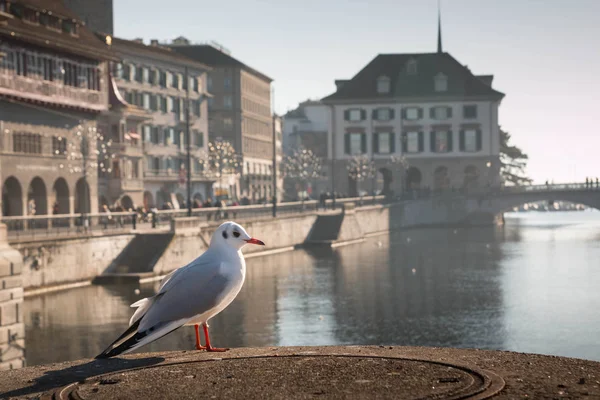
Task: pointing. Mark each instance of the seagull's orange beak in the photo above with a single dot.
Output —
(255, 241)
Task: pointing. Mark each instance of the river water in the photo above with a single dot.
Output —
(532, 285)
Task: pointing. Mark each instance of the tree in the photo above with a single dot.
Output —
(222, 160)
(361, 168)
(513, 162)
(302, 165)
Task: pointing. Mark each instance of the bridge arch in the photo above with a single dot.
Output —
(497, 203)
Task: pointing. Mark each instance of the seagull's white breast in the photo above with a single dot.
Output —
(234, 269)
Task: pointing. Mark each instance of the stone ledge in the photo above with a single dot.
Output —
(303, 372)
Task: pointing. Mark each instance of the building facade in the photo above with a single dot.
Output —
(424, 120)
(240, 112)
(53, 87)
(150, 167)
(308, 126)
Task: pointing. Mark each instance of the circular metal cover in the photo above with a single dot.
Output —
(291, 377)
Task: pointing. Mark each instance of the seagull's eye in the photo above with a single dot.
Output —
(236, 234)
(224, 234)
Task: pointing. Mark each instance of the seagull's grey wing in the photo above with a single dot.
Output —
(193, 291)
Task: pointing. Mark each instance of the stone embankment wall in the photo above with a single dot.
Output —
(59, 262)
(12, 328)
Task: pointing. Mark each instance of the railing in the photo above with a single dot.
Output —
(61, 225)
(73, 225)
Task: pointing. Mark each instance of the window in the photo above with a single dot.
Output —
(355, 143)
(139, 74)
(163, 104)
(197, 104)
(147, 134)
(383, 84)
(384, 114)
(145, 75)
(175, 81)
(30, 143)
(441, 141)
(411, 67)
(59, 146)
(146, 101)
(118, 70)
(154, 102)
(227, 83)
(412, 113)
(227, 123)
(355, 115)
(441, 83)
(70, 27)
(440, 113)
(227, 102)
(162, 78)
(198, 139)
(412, 142)
(169, 79)
(170, 104)
(196, 84)
(384, 143)
(470, 140)
(470, 112)
(209, 83)
(135, 170)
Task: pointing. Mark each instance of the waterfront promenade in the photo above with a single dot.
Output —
(309, 372)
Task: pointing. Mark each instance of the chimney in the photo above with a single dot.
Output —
(139, 40)
(154, 42)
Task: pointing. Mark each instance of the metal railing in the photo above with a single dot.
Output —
(21, 228)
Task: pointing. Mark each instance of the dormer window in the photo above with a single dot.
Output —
(411, 67)
(69, 27)
(441, 83)
(383, 84)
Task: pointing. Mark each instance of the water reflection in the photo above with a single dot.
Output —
(529, 286)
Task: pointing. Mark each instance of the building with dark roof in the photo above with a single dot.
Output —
(53, 87)
(307, 126)
(240, 112)
(150, 168)
(97, 14)
(426, 108)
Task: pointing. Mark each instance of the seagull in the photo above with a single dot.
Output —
(190, 295)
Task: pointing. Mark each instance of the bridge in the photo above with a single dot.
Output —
(493, 201)
(501, 200)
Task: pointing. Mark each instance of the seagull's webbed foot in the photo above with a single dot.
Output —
(207, 338)
(217, 349)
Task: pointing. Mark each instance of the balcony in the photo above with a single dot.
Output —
(54, 92)
(130, 150)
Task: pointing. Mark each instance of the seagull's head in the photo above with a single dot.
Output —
(232, 235)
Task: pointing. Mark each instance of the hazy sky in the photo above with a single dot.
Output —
(545, 55)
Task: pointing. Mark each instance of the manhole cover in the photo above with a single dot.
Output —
(290, 377)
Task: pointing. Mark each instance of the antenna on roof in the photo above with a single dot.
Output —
(439, 42)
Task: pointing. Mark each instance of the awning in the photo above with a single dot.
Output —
(134, 135)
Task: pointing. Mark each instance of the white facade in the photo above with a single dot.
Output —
(486, 121)
(309, 117)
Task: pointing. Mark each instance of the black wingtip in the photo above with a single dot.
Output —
(113, 350)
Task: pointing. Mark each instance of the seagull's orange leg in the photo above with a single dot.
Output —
(208, 346)
(198, 345)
